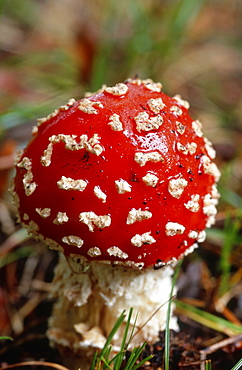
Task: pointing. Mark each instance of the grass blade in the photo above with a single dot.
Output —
(112, 333)
(6, 338)
(231, 232)
(238, 365)
(208, 365)
(118, 359)
(142, 362)
(134, 357)
(167, 329)
(207, 319)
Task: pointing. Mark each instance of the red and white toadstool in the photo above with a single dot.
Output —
(123, 183)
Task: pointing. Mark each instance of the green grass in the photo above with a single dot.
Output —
(207, 319)
(238, 365)
(208, 365)
(167, 329)
(232, 233)
(5, 338)
(105, 360)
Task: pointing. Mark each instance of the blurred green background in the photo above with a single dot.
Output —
(51, 50)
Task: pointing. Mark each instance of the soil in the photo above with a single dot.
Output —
(31, 343)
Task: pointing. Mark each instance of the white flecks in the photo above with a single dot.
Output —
(15, 198)
(173, 228)
(151, 85)
(47, 118)
(102, 221)
(69, 141)
(137, 215)
(61, 218)
(46, 157)
(146, 123)
(143, 158)
(181, 101)
(193, 234)
(201, 236)
(18, 156)
(43, 212)
(193, 204)
(209, 148)
(100, 194)
(135, 81)
(25, 164)
(91, 220)
(29, 185)
(140, 256)
(150, 179)
(180, 128)
(117, 252)
(210, 168)
(35, 130)
(33, 227)
(52, 244)
(177, 186)
(67, 183)
(69, 104)
(73, 240)
(93, 252)
(92, 145)
(88, 106)
(132, 264)
(211, 213)
(176, 110)
(156, 105)
(215, 194)
(139, 239)
(189, 148)
(181, 148)
(115, 123)
(190, 249)
(197, 127)
(209, 209)
(122, 186)
(117, 90)
(88, 94)
(213, 170)
(210, 200)
(148, 83)
(88, 219)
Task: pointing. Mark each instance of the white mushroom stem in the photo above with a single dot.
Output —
(88, 304)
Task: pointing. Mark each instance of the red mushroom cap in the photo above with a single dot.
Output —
(123, 176)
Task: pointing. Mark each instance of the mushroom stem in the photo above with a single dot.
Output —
(89, 303)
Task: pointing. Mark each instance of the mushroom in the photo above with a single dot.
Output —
(123, 184)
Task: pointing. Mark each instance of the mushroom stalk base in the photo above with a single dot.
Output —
(88, 305)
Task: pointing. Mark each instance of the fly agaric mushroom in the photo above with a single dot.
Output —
(122, 183)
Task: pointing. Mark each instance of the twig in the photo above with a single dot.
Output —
(153, 314)
(215, 347)
(35, 363)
